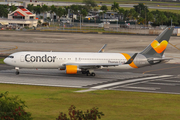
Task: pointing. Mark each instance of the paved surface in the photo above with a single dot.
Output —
(162, 78)
(156, 79)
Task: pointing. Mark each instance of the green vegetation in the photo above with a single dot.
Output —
(13, 108)
(139, 14)
(1, 61)
(47, 102)
(74, 114)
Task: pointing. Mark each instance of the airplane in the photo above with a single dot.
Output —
(87, 62)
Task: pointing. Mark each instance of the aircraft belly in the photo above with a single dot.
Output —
(120, 67)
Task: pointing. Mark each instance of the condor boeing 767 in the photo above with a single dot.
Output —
(84, 62)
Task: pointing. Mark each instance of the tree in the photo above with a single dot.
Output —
(4, 11)
(115, 7)
(133, 14)
(13, 108)
(150, 17)
(161, 18)
(12, 8)
(89, 4)
(53, 10)
(92, 114)
(59, 12)
(66, 8)
(30, 7)
(141, 7)
(83, 13)
(121, 12)
(44, 9)
(104, 8)
(141, 20)
(38, 9)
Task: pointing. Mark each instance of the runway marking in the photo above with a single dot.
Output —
(170, 81)
(10, 49)
(88, 90)
(171, 84)
(51, 85)
(128, 81)
(160, 69)
(174, 46)
(128, 84)
(143, 88)
(149, 91)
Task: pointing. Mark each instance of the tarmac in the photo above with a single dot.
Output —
(162, 78)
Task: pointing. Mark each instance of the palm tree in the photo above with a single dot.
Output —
(30, 7)
(12, 8)
(115, 6)
(89, 4)
(37, 9)
(121, 12)
(83, 13)
(59, 12)
(104, 7)
(44, 9)
(53, 10)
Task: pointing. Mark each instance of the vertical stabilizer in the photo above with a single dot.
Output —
(158, 46)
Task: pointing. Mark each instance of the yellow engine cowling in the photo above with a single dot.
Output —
(71, 69)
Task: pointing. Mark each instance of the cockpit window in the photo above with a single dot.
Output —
(10, 56)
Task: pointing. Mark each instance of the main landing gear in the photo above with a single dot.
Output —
(17, 70)
(89, 73)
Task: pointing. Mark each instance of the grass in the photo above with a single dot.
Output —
(1, 61)
(47, 102)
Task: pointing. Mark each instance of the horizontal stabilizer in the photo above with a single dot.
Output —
(102, 49)
(159, 59)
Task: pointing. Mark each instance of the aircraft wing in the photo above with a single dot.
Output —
(92, 65)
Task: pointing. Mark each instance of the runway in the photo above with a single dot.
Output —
(161, 78)
(155, 80)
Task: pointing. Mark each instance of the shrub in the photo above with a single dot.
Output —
(12, 108)
(92, 114)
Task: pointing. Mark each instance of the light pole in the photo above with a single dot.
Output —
(80, 17)
(117, 25)
(80, 21)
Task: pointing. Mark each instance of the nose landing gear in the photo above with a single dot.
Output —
(17, 70)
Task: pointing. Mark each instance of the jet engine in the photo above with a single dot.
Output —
(72, 69)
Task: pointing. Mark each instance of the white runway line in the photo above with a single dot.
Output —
(169, 84)
(143, 88)
(88, 90)
(50, 85)
(128, 81)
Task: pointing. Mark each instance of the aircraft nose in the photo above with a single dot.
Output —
(6, 60)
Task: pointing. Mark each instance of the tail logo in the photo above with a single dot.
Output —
(159, 47)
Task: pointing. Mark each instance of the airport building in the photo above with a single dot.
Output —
(21, 17)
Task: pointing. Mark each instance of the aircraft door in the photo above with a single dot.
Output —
(22, 58)
(77, 59)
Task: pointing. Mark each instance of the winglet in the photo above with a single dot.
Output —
(131, 59)
(102, 49)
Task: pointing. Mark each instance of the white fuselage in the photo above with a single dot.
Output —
(54, 60)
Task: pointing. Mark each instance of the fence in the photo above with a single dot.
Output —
(102, 28)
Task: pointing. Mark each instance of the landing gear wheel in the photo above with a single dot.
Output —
(17, 72)
(93, 74)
